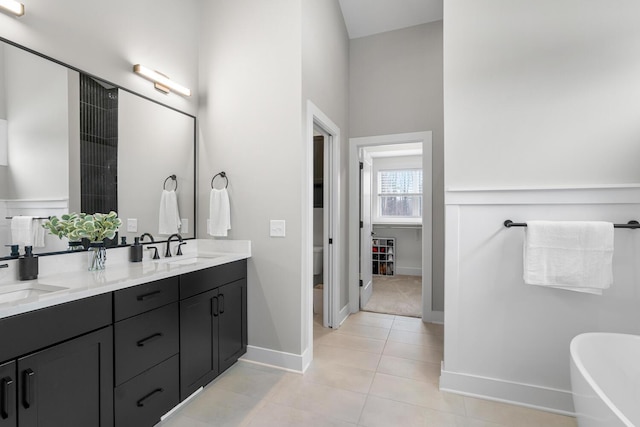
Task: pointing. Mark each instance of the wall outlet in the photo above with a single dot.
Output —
(132, 225)
(277, 228)
(184, 225)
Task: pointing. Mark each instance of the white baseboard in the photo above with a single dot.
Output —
(344, 313)
(531, 396)
(277, 359)
(433, 317)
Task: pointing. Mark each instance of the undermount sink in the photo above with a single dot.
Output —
(187, 260)
(13, 293)
(195, 260)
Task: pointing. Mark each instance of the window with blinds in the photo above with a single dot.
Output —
(400, 193)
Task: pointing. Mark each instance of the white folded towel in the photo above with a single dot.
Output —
(219, 212)
(572, 255)
(169, 218)
(22, 230)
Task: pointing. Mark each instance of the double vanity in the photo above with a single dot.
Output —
(122, 346)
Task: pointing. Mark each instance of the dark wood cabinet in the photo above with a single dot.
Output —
(8, 393)
(141, 401)
(146, 352)
(69, 384)
(58, 368)
(232, 327)
(213, 324)
(122, 358)
(198, 342)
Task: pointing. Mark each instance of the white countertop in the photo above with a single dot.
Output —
(70, 271)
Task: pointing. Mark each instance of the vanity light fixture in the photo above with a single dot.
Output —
(161, 82)
(12, 6)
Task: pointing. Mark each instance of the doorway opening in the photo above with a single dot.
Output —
(394, 236)
(391, 203)
(321, 230)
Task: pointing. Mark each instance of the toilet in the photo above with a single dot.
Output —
(317, 260)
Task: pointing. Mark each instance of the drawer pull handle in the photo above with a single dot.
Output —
(140, 402)
(27, 398)
(214, 306)
(4, 411)
(221, 303)
(149, 339)
(147, 296)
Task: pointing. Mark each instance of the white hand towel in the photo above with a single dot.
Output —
(169, 218)
(572, 255)
(38, 233)
(219, 212)
(22, 230)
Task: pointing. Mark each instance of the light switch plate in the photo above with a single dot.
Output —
(132, 225)
(184, 225)
(277, 228)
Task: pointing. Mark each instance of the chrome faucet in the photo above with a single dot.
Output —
(143, 235)
(167, 254)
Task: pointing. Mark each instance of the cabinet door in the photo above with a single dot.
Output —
(8, 385)
(70, 384)
(198, 341)
(233, 327)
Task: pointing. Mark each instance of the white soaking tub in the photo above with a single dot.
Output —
(605, 379)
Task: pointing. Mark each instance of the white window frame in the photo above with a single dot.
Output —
(393, 163)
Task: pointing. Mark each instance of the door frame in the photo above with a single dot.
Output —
(365, 289)
(332, 266)
(425, 137)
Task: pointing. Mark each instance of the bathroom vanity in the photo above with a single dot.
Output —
(122, 348)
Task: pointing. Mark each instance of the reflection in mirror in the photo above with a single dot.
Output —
(74, 143)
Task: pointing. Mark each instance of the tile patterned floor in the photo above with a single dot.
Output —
(376, 370)
(399, 295)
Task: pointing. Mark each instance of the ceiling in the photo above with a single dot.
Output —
(368, 17)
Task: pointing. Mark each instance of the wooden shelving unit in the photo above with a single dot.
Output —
(383, 255)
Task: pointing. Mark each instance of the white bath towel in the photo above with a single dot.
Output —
(22, 230)
(572, 255)
(169, 217)
(219, 212)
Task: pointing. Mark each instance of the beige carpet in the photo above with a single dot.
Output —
(399, 295)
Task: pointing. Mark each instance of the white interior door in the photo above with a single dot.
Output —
(366, 279)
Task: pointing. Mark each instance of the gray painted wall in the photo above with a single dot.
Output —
(396, 87)
(250, 74)
(107, 40)
(325, 81)
(541, 93)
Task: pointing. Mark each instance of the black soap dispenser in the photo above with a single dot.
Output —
(15, 251)
(28, 265)
(135, 251)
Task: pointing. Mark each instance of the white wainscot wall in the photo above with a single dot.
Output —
(508, 341)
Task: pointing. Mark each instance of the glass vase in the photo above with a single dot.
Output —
(97, 256)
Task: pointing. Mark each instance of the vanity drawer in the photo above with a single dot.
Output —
(144, 399)
(138, 299)
(37, 329)
(145, 340)
(200, 281)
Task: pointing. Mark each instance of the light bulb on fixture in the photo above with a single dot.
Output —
(12, 6)
(162, 82)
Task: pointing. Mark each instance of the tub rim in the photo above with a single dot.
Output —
(573, 349)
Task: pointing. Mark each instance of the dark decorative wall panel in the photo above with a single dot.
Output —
(98, 146)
